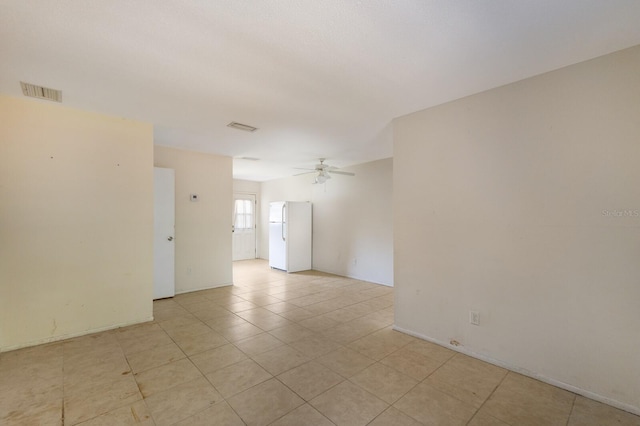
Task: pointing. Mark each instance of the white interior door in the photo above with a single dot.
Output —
(163, 233)
(244, 226)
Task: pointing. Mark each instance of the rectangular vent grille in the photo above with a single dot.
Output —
(241, 126)
(41, 92)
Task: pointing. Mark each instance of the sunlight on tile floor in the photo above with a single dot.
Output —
(275, 349)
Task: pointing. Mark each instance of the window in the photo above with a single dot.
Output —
(243, 214)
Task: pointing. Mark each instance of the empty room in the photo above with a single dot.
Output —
(319, 213)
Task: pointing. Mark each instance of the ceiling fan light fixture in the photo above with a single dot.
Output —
(324, 172)
(322, 177)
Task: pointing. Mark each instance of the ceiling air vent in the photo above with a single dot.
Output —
(41, 92)
(241, 126)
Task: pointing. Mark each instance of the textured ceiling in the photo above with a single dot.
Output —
(318, 78)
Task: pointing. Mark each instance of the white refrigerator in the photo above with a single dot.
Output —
(290, 235)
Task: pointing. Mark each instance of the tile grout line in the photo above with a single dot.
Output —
(134, 374)
(285, 343)
(573, 404)
(419, 381)
(399, 398)
(224, 399)
(488, 398)
(309, 401)
(204, 376)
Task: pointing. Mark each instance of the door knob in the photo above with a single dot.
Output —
(170, 238)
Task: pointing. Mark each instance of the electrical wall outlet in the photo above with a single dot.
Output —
(474, 317)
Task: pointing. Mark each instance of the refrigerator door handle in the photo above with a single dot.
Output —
(283, 221)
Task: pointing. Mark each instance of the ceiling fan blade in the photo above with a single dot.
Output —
(342, 173)
(303, 168)
(304, 173)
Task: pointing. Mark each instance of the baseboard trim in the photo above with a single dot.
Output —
(72, 335)
(191, 290)
(353, 277)
(525, 372)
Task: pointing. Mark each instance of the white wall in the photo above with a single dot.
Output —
(246, 186)
(500, 204)
(352, 220)
(203, 228)
(76, 222)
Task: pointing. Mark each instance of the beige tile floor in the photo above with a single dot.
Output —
(297, 349)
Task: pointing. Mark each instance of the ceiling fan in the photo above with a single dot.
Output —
(324, 172)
